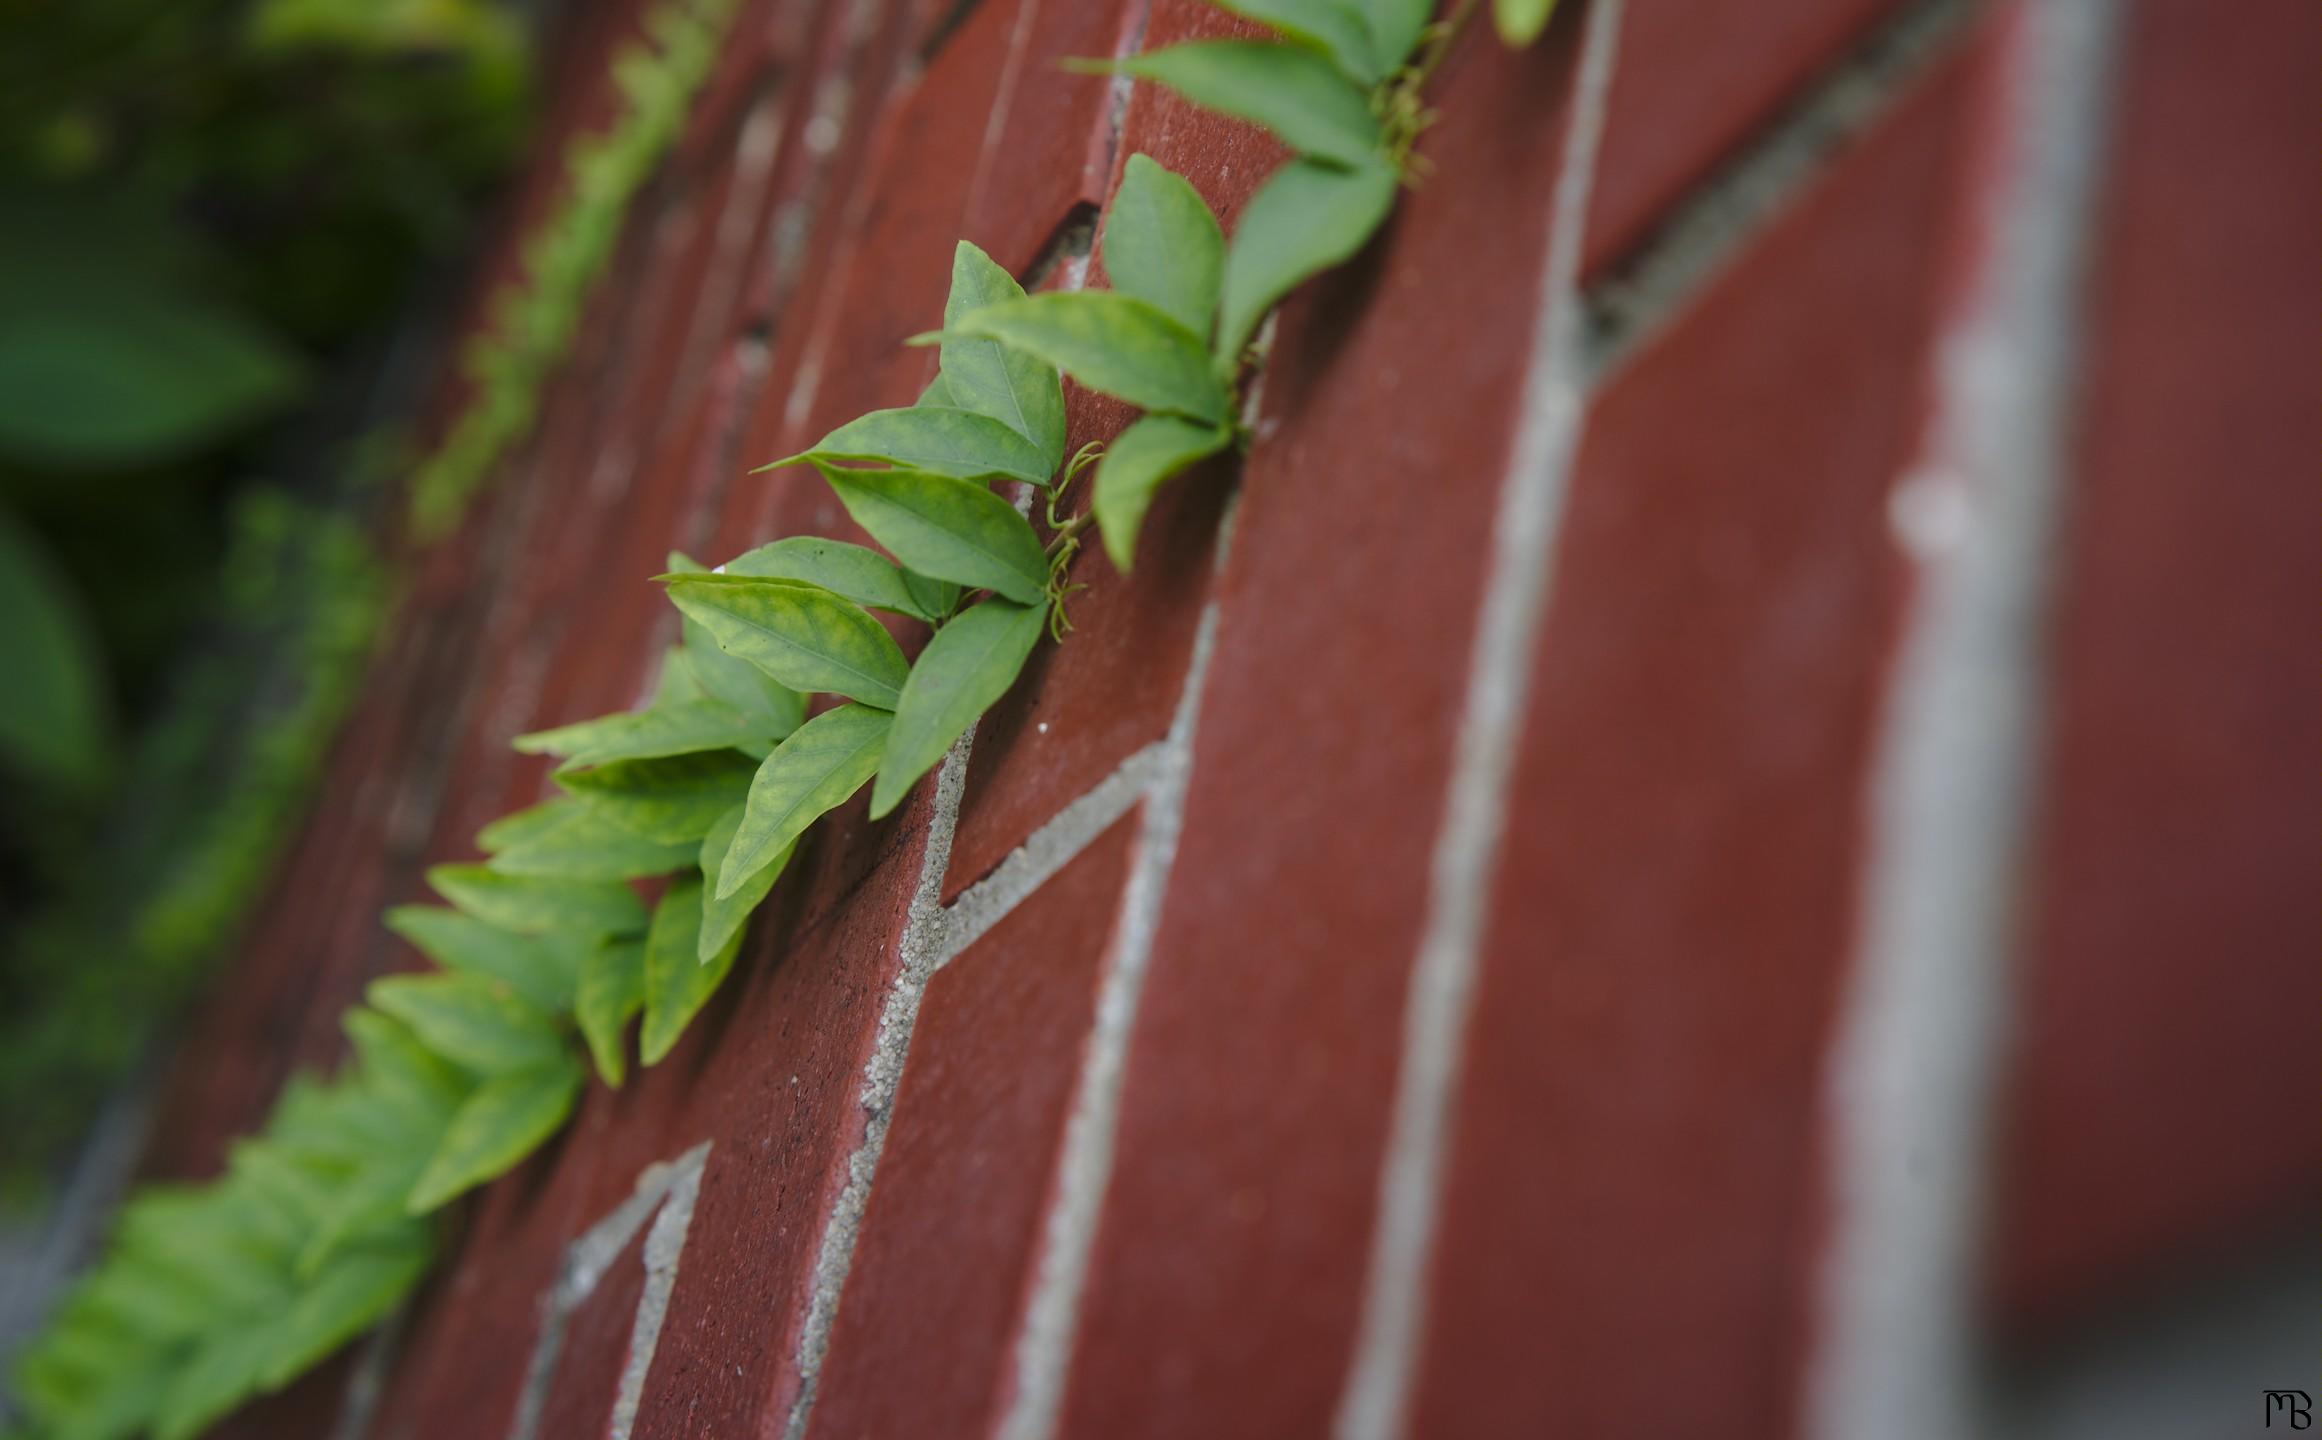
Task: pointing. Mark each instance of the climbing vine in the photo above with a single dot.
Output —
(785, 695)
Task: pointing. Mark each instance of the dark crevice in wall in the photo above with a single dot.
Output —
(1072, 239)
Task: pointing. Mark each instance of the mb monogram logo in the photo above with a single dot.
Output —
(2294, 1404)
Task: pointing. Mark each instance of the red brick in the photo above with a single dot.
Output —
(922, 1339)
(595, 1347)
(2161, 1119)
(1227, 1268)
(1696, 80)
(1630, 1219)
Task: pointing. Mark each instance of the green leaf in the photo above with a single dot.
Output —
(686, 727)
(677, 981)
(1396, 27)
(948, 442)
(1335, 29)
(670, 801)
(676, 683)
(1134, 466)
(1112, 343)
(97, 373)
(536, 904)
(937, 598)
(505, 1120)
(860, 574)
(348, 1295)
(938, 393)
(612, 989)
(722, 919)
(803, 636)
(396, 1065)
(1521, 21)
(538, 971)
(950, 529)
(812, 772)
(1015, 388)
(733, 679)
(566, 838)
(469, 1020)
(55, 722)
(1306, 218)
(1162, 245)
(1296, 94)
(970, 663)
(220, 1374)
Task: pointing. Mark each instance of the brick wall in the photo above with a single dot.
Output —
(1713, 834)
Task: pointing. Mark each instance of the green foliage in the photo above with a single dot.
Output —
(533, 319)
(55, 722)
(967, 665)
(211, 1293)
(1521, 21)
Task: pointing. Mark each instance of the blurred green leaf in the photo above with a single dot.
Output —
(678, 981)
(669, 801)
(538, 904)
(505, 1120)
(1295, 93)
(1162, 245)
(472, 1021)
(53, 723)
(723, 917)
(612, 989)
(566, 838)
(536, 969)
(1334, 28)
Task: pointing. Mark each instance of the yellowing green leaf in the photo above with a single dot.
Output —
(537, 904)
(471, 1021)
(810, 773)
(505, 1120)
(612, 989)
(1307, 217)
(1162, 245)
(677, 981)
(1134, 466)
(969, 663)
(670, 801)
(723, 918)
(1013, 387)
(803, 636)
(1113, 343)
(1295, 93)
(948, 442)
(860, 574)
(949, 529)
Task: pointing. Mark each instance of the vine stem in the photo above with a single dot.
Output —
(1446, 31)
(1070, 528)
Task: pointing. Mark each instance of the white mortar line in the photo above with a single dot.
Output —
(1923, 1027)
(920, 949)
(367, 1382)
(1048, 850)
(586, 1260)
(1377, 1394)
(664, 1248)
(1043, 1350)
